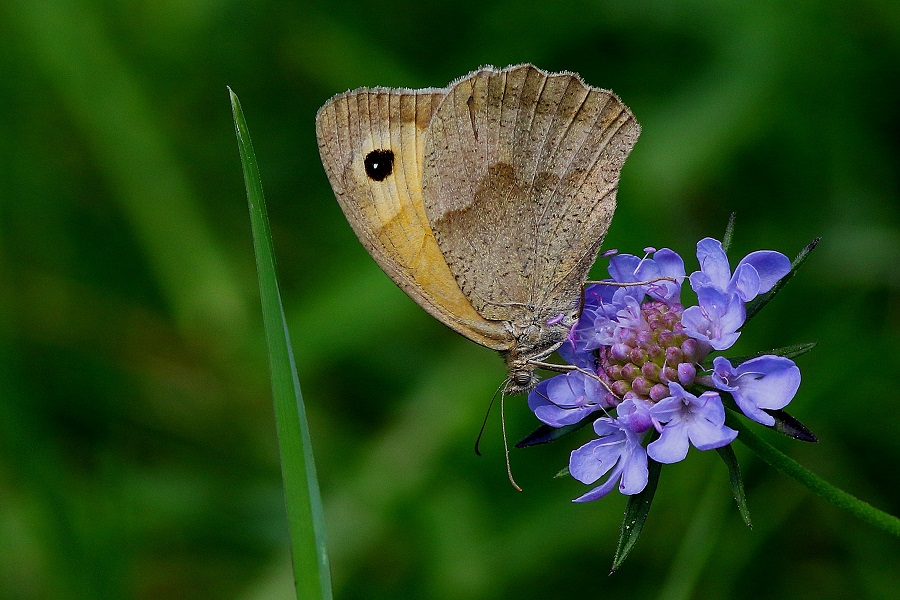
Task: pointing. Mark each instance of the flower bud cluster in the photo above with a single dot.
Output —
(642, 362)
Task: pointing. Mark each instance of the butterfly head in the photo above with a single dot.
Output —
(520, 380)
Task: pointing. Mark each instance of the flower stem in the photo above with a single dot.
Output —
(792, 468)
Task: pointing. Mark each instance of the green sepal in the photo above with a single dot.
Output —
(546, 434)
(792, 351)
(729, 233)
(790, 426)
(754, 306)
(635, 515)
(737, 482)
(785, 424)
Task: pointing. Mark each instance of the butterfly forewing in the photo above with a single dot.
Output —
(382, 197)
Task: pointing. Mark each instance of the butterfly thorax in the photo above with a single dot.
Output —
(533, 344)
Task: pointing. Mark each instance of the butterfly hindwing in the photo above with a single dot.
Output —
(520, 178)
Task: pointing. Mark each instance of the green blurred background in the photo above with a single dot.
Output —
(137, 448)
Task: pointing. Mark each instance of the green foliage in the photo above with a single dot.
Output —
(138, 455)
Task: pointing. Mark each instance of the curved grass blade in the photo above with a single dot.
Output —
(635, 515)
(312, 576)
(756, 305)
(737, 482)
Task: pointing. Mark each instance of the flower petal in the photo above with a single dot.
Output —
(598, 294)
(771, 381)
(634, 472)
(592, 461)
(714, 262)
(770, 265)
(763, 382)
(707, 429)
(672, 445)
(601, 490)
(745, 282)
(666, 409)
(716, 319)
(706, 436)
(623, 268)
(665, 263)
(566, 399)
(670, 263)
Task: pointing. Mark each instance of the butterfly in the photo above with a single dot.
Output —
(486, 201)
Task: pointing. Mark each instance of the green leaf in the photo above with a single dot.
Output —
(546, 434)
(312, 576)
(729, 233)
(757, 304)
(564, 472)
(737, 482)
(635, 515)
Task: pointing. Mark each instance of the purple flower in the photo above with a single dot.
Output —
(626, 268)
(567, 399)
(688, 418)
(755, 274)
(763, 382)
(646, 351)
(606, 327)
(618, 451)
(716, 319)
(574, 349)
(578, 348)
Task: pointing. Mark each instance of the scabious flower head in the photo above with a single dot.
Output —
(633, 336)
(639, 352)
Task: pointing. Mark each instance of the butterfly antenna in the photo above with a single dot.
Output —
(632, 283)
(486, 415)
(505, 442)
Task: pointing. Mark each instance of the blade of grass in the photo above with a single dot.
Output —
(792, 351)
(312, 575)
(696, 546)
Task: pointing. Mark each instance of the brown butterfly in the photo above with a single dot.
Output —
(486, 201)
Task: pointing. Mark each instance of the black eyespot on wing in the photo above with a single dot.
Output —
(379, 164)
